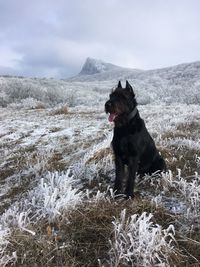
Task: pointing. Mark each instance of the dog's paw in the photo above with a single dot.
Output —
(130, 196)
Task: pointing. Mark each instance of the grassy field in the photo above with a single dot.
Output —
(57, 206)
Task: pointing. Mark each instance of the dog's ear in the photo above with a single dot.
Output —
(129, 87)
(119, 85)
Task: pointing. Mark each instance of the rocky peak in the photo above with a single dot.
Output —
(93, 66)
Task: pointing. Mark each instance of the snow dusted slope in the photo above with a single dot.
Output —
(179, 83)
(95, 69)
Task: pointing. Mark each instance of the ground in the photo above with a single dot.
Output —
(57, 172)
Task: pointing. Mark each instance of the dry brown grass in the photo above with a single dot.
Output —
(99, 155)
(81, 237)
(182, 158)
(40, 106)
(184, 130)
(189, 128)
(56, 163)
(55, 129)
(60, 111)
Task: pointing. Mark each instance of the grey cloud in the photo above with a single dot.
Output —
(8, 71)
(54, 37)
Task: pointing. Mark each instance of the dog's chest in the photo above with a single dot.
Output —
(122, 142)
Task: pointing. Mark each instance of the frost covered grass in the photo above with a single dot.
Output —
(81, 237)
(139, 242)
(54, 195)
(57, 206)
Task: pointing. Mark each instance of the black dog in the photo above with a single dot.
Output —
(132, 144)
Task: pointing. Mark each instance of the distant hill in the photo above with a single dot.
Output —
(176, 84)
(95, 69)
(98, 70)
(180, 83)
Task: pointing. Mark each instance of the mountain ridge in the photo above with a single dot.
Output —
(95, 69)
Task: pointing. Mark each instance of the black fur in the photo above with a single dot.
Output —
(132, 144)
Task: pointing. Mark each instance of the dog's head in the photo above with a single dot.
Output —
(121, 103)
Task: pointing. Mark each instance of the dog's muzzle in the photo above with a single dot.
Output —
(109, 109)
(108, 106)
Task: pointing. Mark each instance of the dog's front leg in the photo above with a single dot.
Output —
(119, 175)
(132, 169)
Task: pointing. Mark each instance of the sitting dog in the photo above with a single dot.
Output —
(132, 144)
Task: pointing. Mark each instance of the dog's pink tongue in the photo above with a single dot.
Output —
(111, 117)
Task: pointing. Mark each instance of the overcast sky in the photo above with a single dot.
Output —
(53, 38)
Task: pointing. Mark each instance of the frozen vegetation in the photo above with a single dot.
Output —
(56, 168)
(178, 84)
